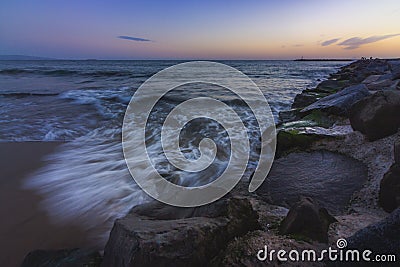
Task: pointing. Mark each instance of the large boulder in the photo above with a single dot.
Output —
(65, 258)
(389, 192)
(329, 178)
(380, 238)
(156, 234)
(340, 102)
(377, 116)
(307, 219)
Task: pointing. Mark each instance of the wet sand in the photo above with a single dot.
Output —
(23, 226)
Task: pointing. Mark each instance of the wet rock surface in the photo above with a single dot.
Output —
(340, 102)
(327, 177)
(161, 235)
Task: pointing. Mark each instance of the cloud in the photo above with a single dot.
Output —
(298, 45)
(131, 38)
(329, 42)
(356, 42)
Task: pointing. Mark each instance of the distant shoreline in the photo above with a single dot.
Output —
(325, 59)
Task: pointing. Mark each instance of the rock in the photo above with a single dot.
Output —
(395, 69)
(359, 70)
(381, 238)
(340, 102)
(371, 79)
(389, 191)
(377, 116)
(329, 178)
(307, 219)
(380, 84)
(397, 152)
(331, 86)
(65, 258)
(156, 234)
(293, 139)
(304, 99)
(288, 115)
(320, 118)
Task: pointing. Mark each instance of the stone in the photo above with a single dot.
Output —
(389, 191)
(66, 258)
(305, 98)
(380, 84)
(288, 115)
(292, 139)
(157, 234)
(329, 178)
(396, 151)
(395, 69)
(371, 79)
(340, 102)
(307, 219)
(381, 237)
(331, 86)
(377, 116)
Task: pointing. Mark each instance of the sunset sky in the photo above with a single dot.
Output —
(204, 29)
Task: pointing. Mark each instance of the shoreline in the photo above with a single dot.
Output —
(24, 226)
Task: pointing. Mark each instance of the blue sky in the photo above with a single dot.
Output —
(200, 29)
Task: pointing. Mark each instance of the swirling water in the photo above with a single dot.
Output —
(83, 103)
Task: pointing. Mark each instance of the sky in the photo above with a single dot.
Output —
(282, 29)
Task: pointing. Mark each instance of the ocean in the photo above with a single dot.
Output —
(82, 104)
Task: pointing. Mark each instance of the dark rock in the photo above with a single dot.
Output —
(389, 192)
(357, 71)
(395, 69)
(156, 234)
(307, 219)
(304, 99)
(63, 258)
(331, 86)
(397, 152)
(292, 140)
(340, 102)
(377, 116)
(327, 177)
(288, 115)
(380, 84)
(371, 79)
(320, 118)
(380, 238)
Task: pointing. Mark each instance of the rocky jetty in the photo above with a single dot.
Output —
(337, 153)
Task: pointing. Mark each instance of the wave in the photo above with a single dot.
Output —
(15, 71)
(20, 94)
(66, 72)
(86, 180)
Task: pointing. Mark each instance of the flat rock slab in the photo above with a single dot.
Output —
(327, 177)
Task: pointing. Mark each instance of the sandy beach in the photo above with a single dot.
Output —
(23, 226)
